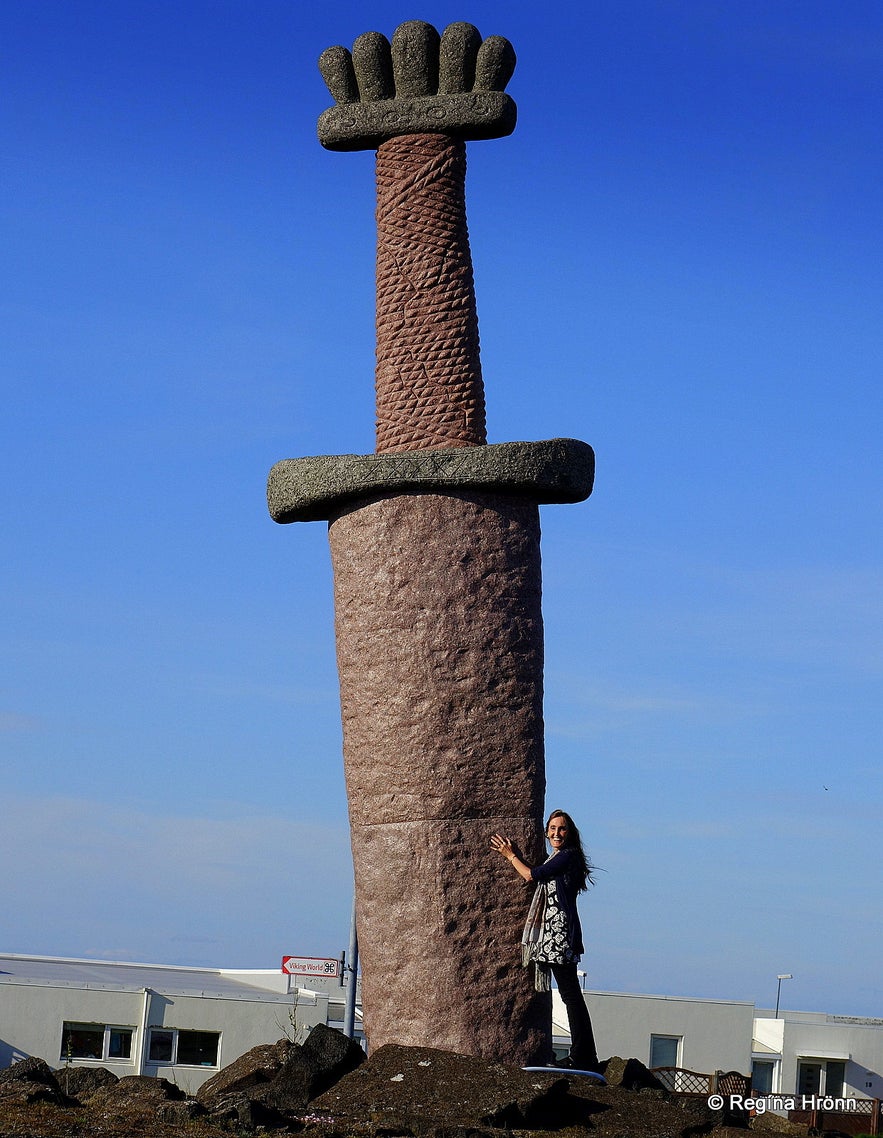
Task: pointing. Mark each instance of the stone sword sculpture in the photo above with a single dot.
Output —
(435, 547)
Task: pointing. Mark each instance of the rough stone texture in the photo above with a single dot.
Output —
(179, 1113)
(30, 1070)
(414, 50)
(83, 1082)
(333, 1054)
(458, 51)
(438, 622)
(774, 1124)
(440, 664)
(629, 1073)
(239, 1110)
(292, 1088)
(312, 489)
(145, 1089)
(423, 1084)
(398, 1093)
(273, 1081)
(420, 83)
(135, 1100)
(428, 383)
(259, 1065)
(616, 1112)
(30, 1081)
(470, 116)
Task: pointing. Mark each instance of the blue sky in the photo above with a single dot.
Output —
(678, 258)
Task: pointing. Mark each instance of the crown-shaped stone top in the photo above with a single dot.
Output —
(420, 82)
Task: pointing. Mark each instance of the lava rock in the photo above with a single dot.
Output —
(410, 1088)
(334, 1055)
(179, 1113)
(630, 1074)
(81, 1083)
(30, 1081)
(293, 1086)
(259, 1065)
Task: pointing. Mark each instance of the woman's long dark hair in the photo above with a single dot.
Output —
(583, 867)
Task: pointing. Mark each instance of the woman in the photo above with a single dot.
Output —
(552, 938)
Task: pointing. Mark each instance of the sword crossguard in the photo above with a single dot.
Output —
(420, 83)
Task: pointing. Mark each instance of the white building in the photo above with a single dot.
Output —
(187, 1023)
(150, 1019)
(666, 1031)
(811, 1053)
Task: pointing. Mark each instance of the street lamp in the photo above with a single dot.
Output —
(782, 976)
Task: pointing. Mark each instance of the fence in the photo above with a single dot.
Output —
(680, 1081)
(847, 1115)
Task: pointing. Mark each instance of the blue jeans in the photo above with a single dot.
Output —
(583, 1053)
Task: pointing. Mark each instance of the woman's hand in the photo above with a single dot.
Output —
(503, 846)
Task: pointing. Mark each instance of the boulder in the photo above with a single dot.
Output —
(406, 1089)
(179, 1113)
(81, 1083)
(271, 1083)
(29, 1081)
(30, 1070)
(630, 1074)
(293, 1086)
(334, 1055)
(144, 1086)
(240, 1110)
(259, 1065)
(138, 1093)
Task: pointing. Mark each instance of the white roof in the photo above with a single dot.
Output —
(113, 976)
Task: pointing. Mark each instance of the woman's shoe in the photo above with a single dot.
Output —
(583, 1065)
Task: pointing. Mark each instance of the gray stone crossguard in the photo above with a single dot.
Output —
(435, 546)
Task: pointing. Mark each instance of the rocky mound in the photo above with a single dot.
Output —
(407, 1090)
(327, 1089)
(271, 1085)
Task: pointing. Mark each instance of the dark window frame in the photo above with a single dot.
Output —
(201, 1047)
(103, 1035)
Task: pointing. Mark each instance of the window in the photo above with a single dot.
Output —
(198, 1048)
(664, 1050)
(762, 1076)
(821, 1077)
(120, 1043)
(835, 1075)
(82, 1041)
(95, 1041)
(184, 1048)
(809, 1078)
(162, 1046)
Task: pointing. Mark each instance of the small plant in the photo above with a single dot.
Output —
(293, 1031)
(68, 1063)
